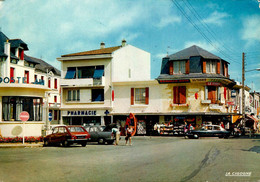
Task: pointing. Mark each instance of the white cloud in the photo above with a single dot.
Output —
(217, 18)
(165, 21)
(204, 45)
(251, 29)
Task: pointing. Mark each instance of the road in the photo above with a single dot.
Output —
(148, 159)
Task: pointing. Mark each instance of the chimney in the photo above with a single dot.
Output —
(102, 45)
(123, 43)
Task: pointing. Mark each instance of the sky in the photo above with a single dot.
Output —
(226, 28)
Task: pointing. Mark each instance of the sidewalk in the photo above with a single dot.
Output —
(20, 145)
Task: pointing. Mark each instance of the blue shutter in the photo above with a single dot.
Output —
(98, 73)
(70, 73)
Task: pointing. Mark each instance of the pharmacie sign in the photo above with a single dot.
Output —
(81, 113)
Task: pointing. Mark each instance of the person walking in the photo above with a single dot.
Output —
(129, 132)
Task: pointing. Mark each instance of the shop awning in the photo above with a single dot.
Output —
(235, 118)
(98, 73)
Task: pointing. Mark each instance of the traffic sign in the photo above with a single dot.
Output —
(50, 116)
(24, 116)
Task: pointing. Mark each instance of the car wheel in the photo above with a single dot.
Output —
(101, 141)
(65, 143)
(196, 136)
(46, 142)
(84, 144)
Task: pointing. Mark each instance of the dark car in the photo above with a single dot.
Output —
(67, 135)
(208, 131)
(100, 134)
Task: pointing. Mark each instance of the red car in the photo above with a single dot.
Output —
(67, 135)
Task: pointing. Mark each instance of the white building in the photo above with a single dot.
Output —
(87, 81)
(26, 84)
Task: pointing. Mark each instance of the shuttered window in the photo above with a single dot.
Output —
(179, 95)
(140, 96)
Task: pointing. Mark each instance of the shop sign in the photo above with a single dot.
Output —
(215, 106)
(19, 80)
(212, 83)
(175, 81)
(231, 103)
(82, 113)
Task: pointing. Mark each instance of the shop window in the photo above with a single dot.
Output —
(97, 95)
(26, 76)
(13, 106)
(211, 66)
(179, 67)
(73, 95)
(140, 96)
(179, 95)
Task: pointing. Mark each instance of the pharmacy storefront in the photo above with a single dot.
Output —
(86, 117)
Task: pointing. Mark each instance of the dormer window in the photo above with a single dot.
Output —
(211, 66)
(179, 67)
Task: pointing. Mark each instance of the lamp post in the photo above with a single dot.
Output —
(243, 87)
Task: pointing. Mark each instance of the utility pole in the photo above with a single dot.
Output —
(243, 89)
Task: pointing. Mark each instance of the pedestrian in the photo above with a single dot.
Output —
(222, 125)
(129, 132)
(116, 133)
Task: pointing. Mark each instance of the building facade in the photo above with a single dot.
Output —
(26, 84)
(87, 81)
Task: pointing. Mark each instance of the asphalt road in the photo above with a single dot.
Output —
(148, 159)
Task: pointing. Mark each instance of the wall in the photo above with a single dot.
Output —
(135, 60)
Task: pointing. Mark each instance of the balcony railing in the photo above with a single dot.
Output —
(83, 82)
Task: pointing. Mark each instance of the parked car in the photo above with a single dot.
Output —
(100, 134)
(67, 135)
(208, 131)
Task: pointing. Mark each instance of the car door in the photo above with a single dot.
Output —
(217, 131)
(53, 137)
(209, 132)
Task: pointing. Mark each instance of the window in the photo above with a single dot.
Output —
(85, 72)
(73, 95)
(13, 106)
(49, 82)
(11, 74)
(140, 96)
(97, 95)
(179, 95)
(56, 115)
(55, 99)
(212, 93)
(211, 66)
(55, 83)
(179, 67)
(26, 76)
(21, 54)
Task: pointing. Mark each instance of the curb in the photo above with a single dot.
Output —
(7, 145)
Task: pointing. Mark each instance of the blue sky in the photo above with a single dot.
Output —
(52, 28)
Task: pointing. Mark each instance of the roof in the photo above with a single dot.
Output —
(18, 43)
(3, 39)
(42, 65)
(191, 52)
(108, 50)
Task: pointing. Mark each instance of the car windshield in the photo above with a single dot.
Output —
(76, 129)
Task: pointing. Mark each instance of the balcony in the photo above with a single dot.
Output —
(83, 82)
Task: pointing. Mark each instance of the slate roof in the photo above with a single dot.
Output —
(194, 50)
(108, 50)
(3, 39)
(17, 43)
(42, 65)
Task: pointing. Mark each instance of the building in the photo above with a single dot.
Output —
(198, 87)
(87, 81)
(26, 84)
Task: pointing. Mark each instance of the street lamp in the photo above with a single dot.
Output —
(243, 87)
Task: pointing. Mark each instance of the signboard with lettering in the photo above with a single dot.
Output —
(82, 113)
